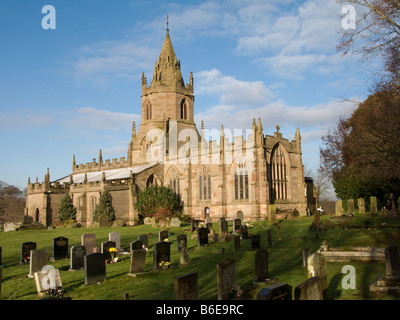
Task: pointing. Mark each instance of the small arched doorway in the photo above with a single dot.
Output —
(239, 215)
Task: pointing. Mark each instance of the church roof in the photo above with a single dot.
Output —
(111, 174)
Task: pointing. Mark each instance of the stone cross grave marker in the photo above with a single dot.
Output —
(88, 240)
(186, 287)
(202, 237)
(161, 254)
(278, 291)
(255, 241)
(26, 251)
(76, 257)
(105, 247)
(261, 266)
(226, 278)
(39, 258)
(116, 237)
(138, 259)
(60, 248)
(309, 290)
(95, 268)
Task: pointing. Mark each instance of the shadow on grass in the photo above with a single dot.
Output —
(332, 291)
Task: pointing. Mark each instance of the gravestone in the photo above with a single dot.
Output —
(226, 278)
(306, 253)
(373, 205)
(105, 247)
(350, 206)
(393, 209)
(236, 243)
(103, 221)
(361, 205)
(236, 225)
(162, 253)
(261, 266)
(316, 266)
(162, 235)
(9, 226)
(60, 248)
(186, 287)
(208, 220)
(193, 225)
(272, 212)
(138, 259)
(76, 257)
(145, 239)
(309, 290)
(116, 237)
(48, 278)
(175, 222)
(243, 232)
(182, 249)
(316, 221)
(255, 241)
(269, 237)
(179, 239)
(392, 262)
(95, 268)
(223, 226)
(135, 245)
(209, 226)
(88, 240)
(39, 259)
(277, 291)
(202, 237)
(26, 251)
(338, 207)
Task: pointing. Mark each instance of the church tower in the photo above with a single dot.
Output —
(167, 105)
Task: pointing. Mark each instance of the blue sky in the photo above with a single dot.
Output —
(76, 89)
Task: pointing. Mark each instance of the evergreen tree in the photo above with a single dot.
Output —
(67, 211)
(104, 207)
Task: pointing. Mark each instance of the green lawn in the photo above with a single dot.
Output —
(285, 260)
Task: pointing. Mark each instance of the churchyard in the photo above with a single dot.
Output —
(206, 267)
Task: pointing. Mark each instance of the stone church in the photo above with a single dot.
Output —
(250, 177)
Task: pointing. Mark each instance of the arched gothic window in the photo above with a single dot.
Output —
(279, 173)
(174, 181)
(204, 184)
(148, 110)
(184, 109)
(241, 181)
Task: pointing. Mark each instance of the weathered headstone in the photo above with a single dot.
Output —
(193, 225)
(255, 241)
(236, 243)
(316, 266)
(202, 237)
(183, 250)
(26, 251)
(393, 209)
(116, 237)
(138, 259)
(39, 258)
(135, 245)
(208, 220)
(392, 262)
(306, 253)
(226, 278)
(373, 205)
(105, 247)
(47, 278)
(162, 235)
(272, 212)
(236, 225)
(186, 287)
(261, 266)
(338, 207)
(179, 238)
(95, 268)
(161, 254)
(88, 240)
(309, 290)
(175, 222)
(269, 237)
(209, 226)
(76, 257)
(103, 221)
(243, 232)
(277, 291)
(361, 205)
(223, 226)
(60, 248)
(350, 206)
(145, 239)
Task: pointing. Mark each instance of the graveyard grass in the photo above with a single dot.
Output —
(285, 260)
